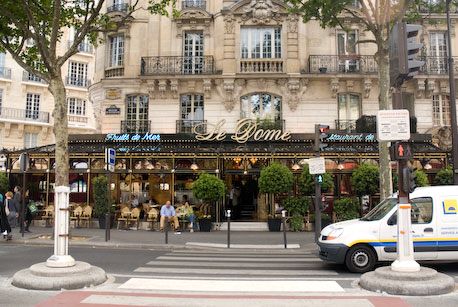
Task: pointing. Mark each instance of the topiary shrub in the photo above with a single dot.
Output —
(346, 208)
(307, 182)
(444, 176)
(100, 192)
(296, 205)
(209, 188)
(421, 179)
(365, 179)
(3, 183)
(275, 178)
(296, 223)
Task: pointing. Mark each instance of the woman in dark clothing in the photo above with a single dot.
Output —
(28, 214)
(4, 225)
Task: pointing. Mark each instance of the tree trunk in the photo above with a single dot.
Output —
(57, 88)
(382, 58)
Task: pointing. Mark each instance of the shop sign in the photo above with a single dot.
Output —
(126, 137)
(350, 137)
(245, 130)
(113, 94)
(112, 110)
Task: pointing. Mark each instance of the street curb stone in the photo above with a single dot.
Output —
(423, 283)
(41, 277)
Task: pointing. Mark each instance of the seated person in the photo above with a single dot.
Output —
(188, 212)
(167, 211)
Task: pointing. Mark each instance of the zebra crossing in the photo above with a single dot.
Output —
(222, 271)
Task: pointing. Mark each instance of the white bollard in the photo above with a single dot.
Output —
(405, 261)
(61, 258)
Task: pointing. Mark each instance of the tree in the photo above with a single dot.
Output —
(444, 176)
(275, 179)
(208, 187)
(378, 18)
(100, 190)
(43, 22)
(365, 179)
(307, 182)
(3, 183)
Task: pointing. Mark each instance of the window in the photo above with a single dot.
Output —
(193, 52)
(77, 74)
(78, 186)
(261, 106)
(1, 100)
(2, 59)
(32, 107)
(441, 110)
(438, 52)
(191, 112)
(137, 114)
(76, 106)
(30, 140)
(260, 43)
(420, 213)
(349, 107)
(347, 51)
(116, 56)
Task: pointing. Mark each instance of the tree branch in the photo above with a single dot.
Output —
(55, 27)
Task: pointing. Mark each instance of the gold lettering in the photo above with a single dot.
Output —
(244, 130)
(211, 135)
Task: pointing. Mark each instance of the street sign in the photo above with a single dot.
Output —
(316, 166)
(393, 125)
(401, 151)
(110, 158)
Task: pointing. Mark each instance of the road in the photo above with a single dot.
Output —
(192, 277)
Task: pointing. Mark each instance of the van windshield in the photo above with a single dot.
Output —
(380, 210)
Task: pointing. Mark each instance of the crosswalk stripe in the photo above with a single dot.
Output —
(234, 285)
(254, 253)
(235, 259)
(182, 271)
(241, 255)
(297, 265)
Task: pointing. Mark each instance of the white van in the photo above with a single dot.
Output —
(361, 243)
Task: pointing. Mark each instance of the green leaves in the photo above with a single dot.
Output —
(365, 179)
(275, 178)
(307, 182)
(444, 176)
(3, 183)
(208, 188)
(100, 192)
(346, 208)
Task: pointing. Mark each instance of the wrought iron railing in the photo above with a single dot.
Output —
(119, 7)
(187, 126)
(177, 65)
(361, 64)
(135, 126)
(5, 72)
(193, 4)
(261, 65)
(77, 81)
(435, 65)
(28, 77)
(27, 115)
(346, 125)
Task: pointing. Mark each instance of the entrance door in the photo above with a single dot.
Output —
(243, 197)
(193, 53)
(438, 52)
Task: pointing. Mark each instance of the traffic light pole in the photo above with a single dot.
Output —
(451, 77)
(317, 187)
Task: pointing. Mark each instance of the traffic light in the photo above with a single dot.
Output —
(403, 50)
(401, 151)
(321, 133)
(408, 180)
(319, 179)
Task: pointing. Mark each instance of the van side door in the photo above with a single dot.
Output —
(447, 209)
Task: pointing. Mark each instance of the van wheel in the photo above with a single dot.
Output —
(360, 259)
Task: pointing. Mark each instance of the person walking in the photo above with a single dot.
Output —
(4, 213)
(168, 212)
(17, 200)
(28, 212)
(11, 210)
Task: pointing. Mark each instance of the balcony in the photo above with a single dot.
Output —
(77, 119)
(193, 4)
(261, 66)
(83, 47)
(135, 126)
(77, 81)
(26, 115)
(346, 125)
(187, 126)
(119, 7)
(5, 73)
(111, 72)
(177, 65)
(28, 77)
(436, 65)
(337, 64)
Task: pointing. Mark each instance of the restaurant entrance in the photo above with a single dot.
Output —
(243, 196)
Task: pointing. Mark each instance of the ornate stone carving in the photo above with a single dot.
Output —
(442, 137)
(367, 86)
(174, 88)
(207, 87)
(431, 88)
(350, 85)
(421, 88)
(193, 19)
(151, 88)
(444, 86)
(7, 129)
(191, 85)
(229, 24)
(334, 87)
(44, 133)
(260, 12)
(293, 90)
(292, 24)
(20, 131)
(229, 90)
(162, 87)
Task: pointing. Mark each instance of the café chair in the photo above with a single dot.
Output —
(134, 217)
(152, 216)
(75, 215)
(123, 217)
(48, 215)
(87, 215)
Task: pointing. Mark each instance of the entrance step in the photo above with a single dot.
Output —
(246, 226)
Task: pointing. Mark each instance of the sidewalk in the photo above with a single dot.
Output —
(144, 239)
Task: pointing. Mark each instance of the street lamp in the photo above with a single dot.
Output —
(452, 97)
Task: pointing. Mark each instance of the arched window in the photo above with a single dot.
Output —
(261, 106)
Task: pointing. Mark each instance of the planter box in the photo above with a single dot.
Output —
(274, 224)
(102, 221)
(205, 225)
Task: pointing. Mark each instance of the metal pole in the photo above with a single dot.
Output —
(451, 80)
(317, 209)
(22, 217)
(228, 212)
(166, 232)
(107, 227)
(283, 218)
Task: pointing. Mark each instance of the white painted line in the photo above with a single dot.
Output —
(232, 285)
(231, 259)
(226, 264)
(191, 271)
(241, 246)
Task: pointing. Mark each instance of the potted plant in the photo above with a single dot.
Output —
(274, 179)
(205, 222)
(297, 208)
(102, 205)
(346, 208)
(365, 181)
(444, 176)
(209, 189)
